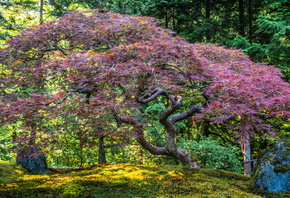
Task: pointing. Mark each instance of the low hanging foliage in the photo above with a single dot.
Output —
(96, 63)
(212, 155)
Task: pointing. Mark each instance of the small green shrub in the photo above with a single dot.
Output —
(212, 155)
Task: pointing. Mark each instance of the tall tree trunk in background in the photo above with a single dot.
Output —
(204, 128)
(241, 18)
(246, 151)
(207, 9)
(207, 16)
(173, 19)
(33, 131)
(102, 152)
(41, 11)
(81, 157)
(166, 18)
(250, 9)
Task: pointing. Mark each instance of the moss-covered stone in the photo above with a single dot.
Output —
(32, 159)
(271, 171)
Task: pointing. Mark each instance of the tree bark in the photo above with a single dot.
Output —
(166, 18)
(139, 135)
(250, 12)
(207, 16)
(241, 18)
(170, 149)
(102, 152)
(207, 8)
(33, 132)
(41, 12)
(246, 151)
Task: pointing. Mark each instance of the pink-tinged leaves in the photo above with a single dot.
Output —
(118, 57)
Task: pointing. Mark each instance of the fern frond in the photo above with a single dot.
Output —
(269, 26)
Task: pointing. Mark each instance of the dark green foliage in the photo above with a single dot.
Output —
(6, 143)
(212, 155)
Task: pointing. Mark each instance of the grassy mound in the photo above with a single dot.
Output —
(124, 180)
(10, 173)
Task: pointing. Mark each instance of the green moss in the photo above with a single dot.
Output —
(10, 172)
(128, 180)
(268, 194)
(282, 169)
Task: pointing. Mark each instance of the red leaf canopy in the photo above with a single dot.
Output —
(120, 57)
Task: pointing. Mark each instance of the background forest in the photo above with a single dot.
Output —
(260, 28)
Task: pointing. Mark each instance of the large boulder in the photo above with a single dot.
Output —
(32, 159)
(272, 169)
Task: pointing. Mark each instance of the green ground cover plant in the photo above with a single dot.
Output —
(125, 180)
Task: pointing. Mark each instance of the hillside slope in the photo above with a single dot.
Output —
(124, 180)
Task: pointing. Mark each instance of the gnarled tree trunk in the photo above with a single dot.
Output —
(170, 148)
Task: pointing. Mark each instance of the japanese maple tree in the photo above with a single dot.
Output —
(98, 63)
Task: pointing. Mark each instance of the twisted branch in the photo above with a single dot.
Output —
(168, 123)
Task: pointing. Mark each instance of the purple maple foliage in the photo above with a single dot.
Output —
(96, 63)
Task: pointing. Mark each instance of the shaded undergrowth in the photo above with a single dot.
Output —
(124, 180)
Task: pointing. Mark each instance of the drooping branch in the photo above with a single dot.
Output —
(55, 48)
(139, 127)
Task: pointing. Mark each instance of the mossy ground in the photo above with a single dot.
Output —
(124, 180)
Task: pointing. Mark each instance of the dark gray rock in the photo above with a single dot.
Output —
(32, 159)
(272, 169)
